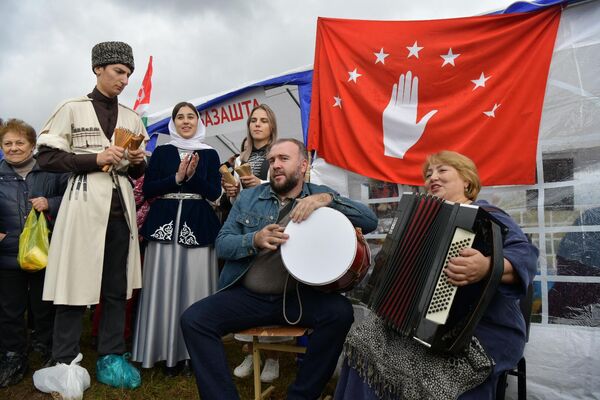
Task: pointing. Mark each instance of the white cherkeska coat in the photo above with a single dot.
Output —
(76, 256)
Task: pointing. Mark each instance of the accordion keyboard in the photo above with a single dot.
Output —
(443, 294)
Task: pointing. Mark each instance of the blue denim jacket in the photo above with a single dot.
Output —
(258, 207)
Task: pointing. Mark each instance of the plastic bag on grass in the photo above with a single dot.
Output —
(116, 371)
(70, 381)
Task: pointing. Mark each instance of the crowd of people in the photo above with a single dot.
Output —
(82, 179)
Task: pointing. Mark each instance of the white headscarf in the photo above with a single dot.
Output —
(196, 142)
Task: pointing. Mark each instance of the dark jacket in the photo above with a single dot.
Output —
(15, 193)
(198, 225)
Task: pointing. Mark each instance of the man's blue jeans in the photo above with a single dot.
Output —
(235, 309)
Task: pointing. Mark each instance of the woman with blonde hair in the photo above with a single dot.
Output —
(261, 132)
(379, 362)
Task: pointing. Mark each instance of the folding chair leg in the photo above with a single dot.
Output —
(501, 386)
(522, 379)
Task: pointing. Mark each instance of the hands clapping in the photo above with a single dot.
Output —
(187, 167)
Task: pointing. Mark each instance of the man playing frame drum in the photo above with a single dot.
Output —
(254, 279)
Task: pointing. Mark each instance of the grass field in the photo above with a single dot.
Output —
(155, 385)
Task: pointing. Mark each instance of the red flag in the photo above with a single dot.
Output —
(143, 99)
(386, 94)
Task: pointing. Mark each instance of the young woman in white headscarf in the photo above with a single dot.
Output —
(180, 264)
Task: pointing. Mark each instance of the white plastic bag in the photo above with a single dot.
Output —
(68, 380)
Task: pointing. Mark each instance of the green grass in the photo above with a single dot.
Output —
(155, 385)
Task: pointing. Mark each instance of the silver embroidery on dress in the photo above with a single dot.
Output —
(186, 236)
(164, 232)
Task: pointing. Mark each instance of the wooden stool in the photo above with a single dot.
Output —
(264, 331)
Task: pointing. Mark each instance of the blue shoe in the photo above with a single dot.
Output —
(114, 370)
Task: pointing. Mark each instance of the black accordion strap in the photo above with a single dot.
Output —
(497, 269)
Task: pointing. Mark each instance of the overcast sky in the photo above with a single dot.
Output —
(199, 46)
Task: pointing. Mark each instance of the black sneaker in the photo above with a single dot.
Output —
(48, 361)
(171, 371)
(13, 367)
(187, 370)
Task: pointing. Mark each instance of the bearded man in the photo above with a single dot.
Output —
(253, 281)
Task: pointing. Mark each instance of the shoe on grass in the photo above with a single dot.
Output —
(116, 371)
(13, 367)
(244, 370)
(271, 371)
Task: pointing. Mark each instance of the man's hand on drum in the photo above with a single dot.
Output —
(469, 267)
(270, 237)
(305, 206)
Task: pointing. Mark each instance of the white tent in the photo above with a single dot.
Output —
(559, 212)
(224, 114)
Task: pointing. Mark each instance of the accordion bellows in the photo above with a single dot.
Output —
(410, 291)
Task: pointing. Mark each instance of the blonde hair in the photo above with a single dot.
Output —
(245, 153)
(464, 166)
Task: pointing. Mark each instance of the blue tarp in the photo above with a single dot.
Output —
(302, 79)
(525, 6)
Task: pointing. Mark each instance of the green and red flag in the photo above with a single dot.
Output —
(143, 98)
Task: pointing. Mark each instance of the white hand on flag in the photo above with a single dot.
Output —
(401, 130)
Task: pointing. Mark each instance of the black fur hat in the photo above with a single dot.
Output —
(106, 53)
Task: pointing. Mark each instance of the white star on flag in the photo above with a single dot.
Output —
(338, 101)
(492, 112)
(380, 56)
(353, 75)
(449, 58)
(414, 50)
(481, 81)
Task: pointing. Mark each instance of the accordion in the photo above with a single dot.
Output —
(410, 291)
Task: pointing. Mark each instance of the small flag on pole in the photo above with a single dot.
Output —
(143, 99)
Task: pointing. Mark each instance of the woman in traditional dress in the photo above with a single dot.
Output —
(180, 264)
(380, 363)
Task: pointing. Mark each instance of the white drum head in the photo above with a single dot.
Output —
(321, 249)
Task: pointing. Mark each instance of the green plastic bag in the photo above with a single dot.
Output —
(34, 243)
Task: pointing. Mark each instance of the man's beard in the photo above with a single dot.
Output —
(287, 185)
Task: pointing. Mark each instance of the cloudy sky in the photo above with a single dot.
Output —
(199, 46)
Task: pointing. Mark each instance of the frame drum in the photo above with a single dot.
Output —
(326, 250)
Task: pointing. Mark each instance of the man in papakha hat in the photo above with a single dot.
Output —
(94, 251)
